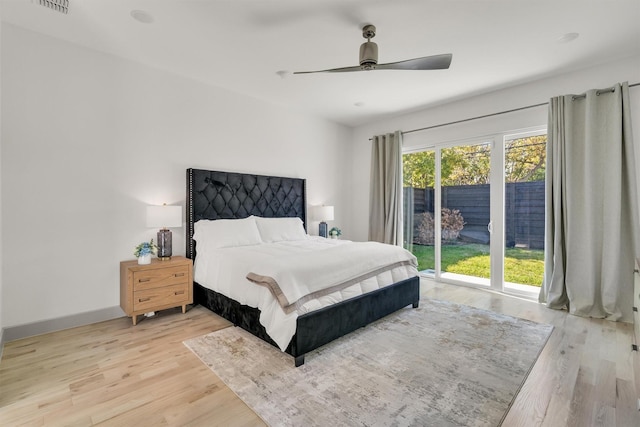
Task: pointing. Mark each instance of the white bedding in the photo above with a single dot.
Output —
(224, 270)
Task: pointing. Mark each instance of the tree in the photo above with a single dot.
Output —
(525, 159)
(466, 165)
(419, 169)
(470, 164)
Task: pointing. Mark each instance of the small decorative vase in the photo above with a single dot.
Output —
(334, 236)
(144, 259)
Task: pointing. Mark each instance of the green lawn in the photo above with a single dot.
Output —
(522, 266)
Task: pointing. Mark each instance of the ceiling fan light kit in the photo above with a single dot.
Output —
(369, 59)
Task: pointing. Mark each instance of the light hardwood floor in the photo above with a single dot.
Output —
(113, 373)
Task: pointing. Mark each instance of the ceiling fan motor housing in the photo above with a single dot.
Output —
(368, 55)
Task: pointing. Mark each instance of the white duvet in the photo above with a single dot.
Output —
(224, 270)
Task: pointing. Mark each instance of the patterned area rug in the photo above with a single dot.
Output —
(441, 364)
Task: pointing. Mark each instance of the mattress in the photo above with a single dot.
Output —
(224, 271)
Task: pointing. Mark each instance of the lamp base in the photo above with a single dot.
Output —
(322, 230)
(164, 244)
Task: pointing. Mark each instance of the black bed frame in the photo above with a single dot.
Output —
(228, 195)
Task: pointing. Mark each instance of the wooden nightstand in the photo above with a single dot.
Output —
(156, 286)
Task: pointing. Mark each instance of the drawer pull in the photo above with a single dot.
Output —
(144, 299)
(143, 280)
(178, 275)
(178, 293)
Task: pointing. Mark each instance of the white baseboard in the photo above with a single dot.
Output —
(45, 326)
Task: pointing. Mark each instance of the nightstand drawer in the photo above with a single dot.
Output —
(160, 277)
(166, 296)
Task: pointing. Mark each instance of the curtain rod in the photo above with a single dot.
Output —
(600, 91)
(491, 115)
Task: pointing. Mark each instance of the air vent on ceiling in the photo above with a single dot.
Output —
(61, 6)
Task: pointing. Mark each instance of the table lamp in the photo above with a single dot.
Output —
(325, 213)
(164, 217)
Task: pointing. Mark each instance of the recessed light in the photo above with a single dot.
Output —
(142, 16)
(568, 37)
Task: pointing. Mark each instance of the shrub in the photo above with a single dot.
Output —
(423, 229)
(452, 223)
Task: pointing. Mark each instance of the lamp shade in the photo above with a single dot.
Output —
(164, 216)
(325, 213)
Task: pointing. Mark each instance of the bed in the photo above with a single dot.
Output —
(214, 195)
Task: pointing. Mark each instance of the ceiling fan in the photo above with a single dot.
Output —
(369, 59)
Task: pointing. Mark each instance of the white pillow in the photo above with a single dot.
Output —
(280, 229)
(224, 233)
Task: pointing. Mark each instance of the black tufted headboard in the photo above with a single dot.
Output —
(230, 195)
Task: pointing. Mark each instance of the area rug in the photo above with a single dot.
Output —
(441, 364)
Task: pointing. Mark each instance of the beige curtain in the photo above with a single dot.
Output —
(592, 219)
(385, 198)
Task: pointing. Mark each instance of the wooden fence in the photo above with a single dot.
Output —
(524, 209)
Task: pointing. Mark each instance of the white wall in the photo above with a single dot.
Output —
(515, 97)
(89, 140)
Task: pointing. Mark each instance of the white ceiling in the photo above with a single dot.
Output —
(241, 45)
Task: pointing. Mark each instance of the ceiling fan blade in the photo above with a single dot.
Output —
(435, 62)
(332, 70)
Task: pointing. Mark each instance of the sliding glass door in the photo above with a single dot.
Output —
(489, 198)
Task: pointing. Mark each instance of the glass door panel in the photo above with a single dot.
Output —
(465, 213)
(525, 160)
(418, 186)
